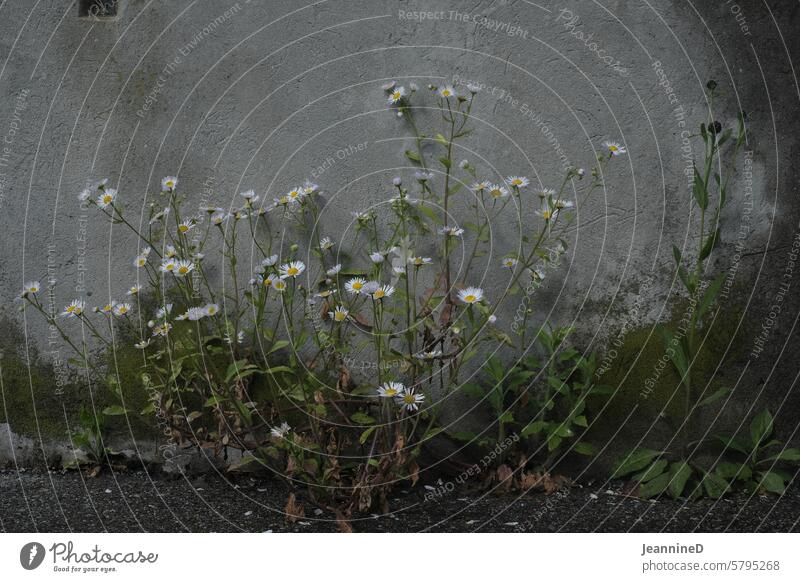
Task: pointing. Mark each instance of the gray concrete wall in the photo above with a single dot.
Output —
(258, 94)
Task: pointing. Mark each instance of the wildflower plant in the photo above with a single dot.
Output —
(259, 357)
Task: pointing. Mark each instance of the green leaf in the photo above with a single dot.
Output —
(710, 294)
(735, 444)
(413, 156)
(587, 449)
(789, 455)
(724, 391)
(772, 482)
(651, 472)
(680, 471)
(580, 421)
(446, 162)
(534, 428)
(699, 190)
(715, 485)
(730, 471)
(635, 461)
(362, 418)
(464, 436)
(677, 254)
(655, 486)
(712, 241)
(114, 410)
(761, 428)
(553, 442)
(278, 345)
(365, 435)
(441, 139)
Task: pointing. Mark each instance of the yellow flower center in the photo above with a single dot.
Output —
(358, 285)
(170, 267)
(446, 93)
(267, 282)
(613, 148)
(339, 315)
(183, 228)
(391, 392)
(292, 271)
(70, 309)
(107, 199)
(469, 298)
(170, 183)
(183, 270)
(546, 214)
(409, 399)
(396, 95)
(123, 310)
(379, 294)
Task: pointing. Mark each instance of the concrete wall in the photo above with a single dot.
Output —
(259, 94)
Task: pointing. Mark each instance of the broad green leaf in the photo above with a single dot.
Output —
(772, 482)
(655, 486)
(635, 461)
(413, 156)
(724, 391)
(789, 455)
(362, 418)
(680, 471)
(761, 428)
(587, 449)
(365, 435)
(114, 410)
(715, 485)
(653, 471)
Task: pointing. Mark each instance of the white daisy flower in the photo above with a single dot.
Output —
(292, 269)
(74, 309)
(377, 257)
(447, 91)
(85, 195)
(270, 261)
(383, 291)
(413, 86)
(355, 285)
(326, 243)
(267, 280)
(396, 95)
(510, 263)
(134, 290)
(471, 295)
(218, 218)
(428, 355)
(281, 431)
(463, 164)
(168, 265)
(564, 204)
(106, 198)
(31, 288)
(310, 188)
(420, 261)
(121, 309)
(162, 329)
(182, 316)
(162, 312)
(538, 273)
(481, 186)
(334, 270)
(325, 294)
(295, 195)
(169, 183)
(100, 184)
(492, 319)
(249, 195)
(170, 252)
(545, 213)
(389, 86)
(517, 181)
(211, 309)
(473, 88)
(195, 313)
(497, 191)
(183, 267)
(423, 176)
(185, 226)
(240, 214)
(451, 231)
(614, 148)
(106, 309)
(279, 285)
(391, 390)
(142, 344)
(339, 314)
(362, 217)
(410, 400)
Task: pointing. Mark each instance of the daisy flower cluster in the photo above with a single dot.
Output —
(405, 398)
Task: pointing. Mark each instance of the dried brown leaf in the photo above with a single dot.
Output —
(294, 509)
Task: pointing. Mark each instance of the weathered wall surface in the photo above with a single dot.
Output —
(263, 94)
